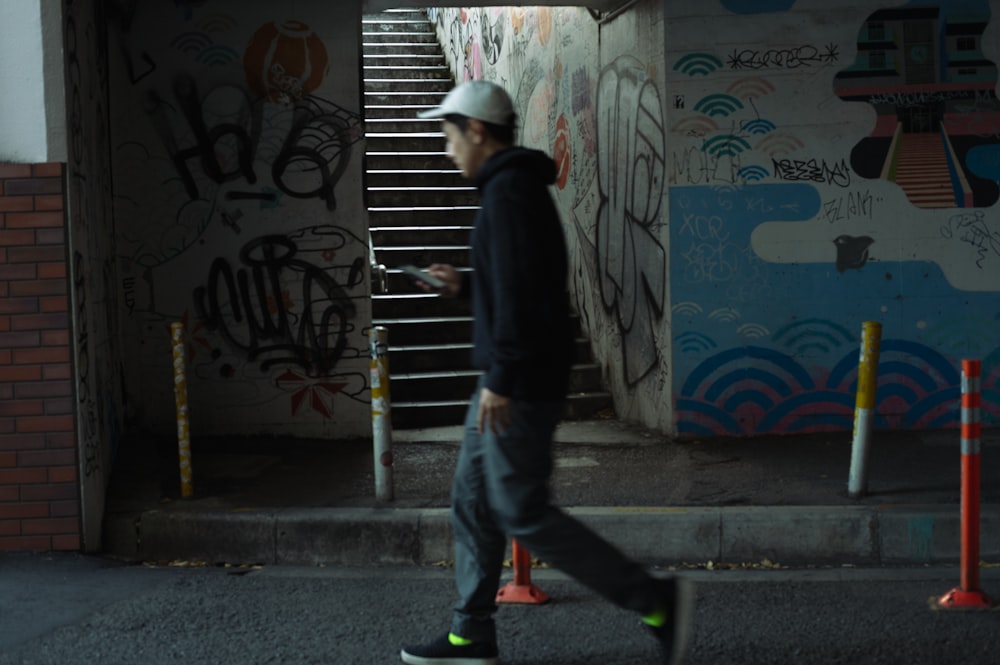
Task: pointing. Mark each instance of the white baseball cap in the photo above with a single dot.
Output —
(481, 100)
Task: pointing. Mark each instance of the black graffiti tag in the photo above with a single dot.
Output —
(313, 157)
(631, 176)
(813, 170)
(206, 138)
(248, 309)
(492, 40)
(973, 229)
(786, 58)
(315, 154)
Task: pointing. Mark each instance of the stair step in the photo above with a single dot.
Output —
(396, 303)
(427, 357)
(428, 349)
(407, 216)
(401, 122)
(432, 386)
(411, 160)
(430, 142)
(426, 330)
(369, 38)
(387, 197)
(440, 178)
(382, 72)
(401, 11)
(395, 24)
(423, 255)
(405, 59)
(428, 383)
(434, 134)
(420, 235)
(414, 303)
(423, 85)
(425, 99)
(457, 356)
(423, 231)
(399, 112)
(408, 415)
(585, 377)
(588, 405)
(402, 49)
(399, 284)
(412, 414)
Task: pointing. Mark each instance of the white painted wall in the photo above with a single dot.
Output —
(32, 80)
(55, 84)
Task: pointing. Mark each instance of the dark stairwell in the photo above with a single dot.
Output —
(421, 211)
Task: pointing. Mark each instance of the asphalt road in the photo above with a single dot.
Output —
(69, 609)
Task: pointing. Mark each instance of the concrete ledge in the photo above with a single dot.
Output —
(243, 537)
(933, 534)
(347, 537)
(437, 542)
(800, 534)
(860, 535)
(658, 535)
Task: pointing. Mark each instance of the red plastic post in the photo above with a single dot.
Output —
(968, 595)
(970, 522)
(521, 590)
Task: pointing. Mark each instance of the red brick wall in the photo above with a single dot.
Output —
(39, 492)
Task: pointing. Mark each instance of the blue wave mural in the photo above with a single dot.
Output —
(750, 390)
(799, 373)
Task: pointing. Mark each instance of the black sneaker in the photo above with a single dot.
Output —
(678, 600)
(442, 652)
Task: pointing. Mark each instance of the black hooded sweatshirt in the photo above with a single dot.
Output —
(522, 336)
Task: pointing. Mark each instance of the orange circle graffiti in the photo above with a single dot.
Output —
(284, 62)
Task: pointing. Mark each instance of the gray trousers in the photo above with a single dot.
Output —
(501, 490)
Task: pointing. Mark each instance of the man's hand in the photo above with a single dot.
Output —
(447, 274)
(494, 412)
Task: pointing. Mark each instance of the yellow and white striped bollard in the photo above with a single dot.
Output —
(864, 410)
(181, 399)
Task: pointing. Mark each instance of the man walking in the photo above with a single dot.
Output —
(523, 342)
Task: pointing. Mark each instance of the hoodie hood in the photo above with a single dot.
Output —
(530, 162)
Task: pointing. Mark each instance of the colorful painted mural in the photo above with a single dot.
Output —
(237, 190)
(797, 213)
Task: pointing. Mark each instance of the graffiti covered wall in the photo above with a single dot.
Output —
(745, 183)
(236, 149)
(598, 111)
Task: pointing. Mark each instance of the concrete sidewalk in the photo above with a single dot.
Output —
(729, 501)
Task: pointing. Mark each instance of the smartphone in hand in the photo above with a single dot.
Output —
(418, 275)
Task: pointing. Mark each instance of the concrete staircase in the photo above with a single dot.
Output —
(421, 211)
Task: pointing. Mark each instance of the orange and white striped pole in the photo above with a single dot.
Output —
(968, 595)
(521, 590)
